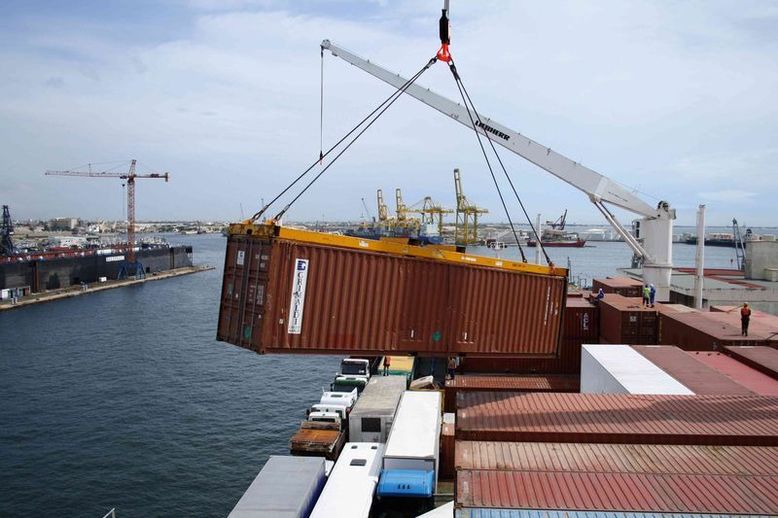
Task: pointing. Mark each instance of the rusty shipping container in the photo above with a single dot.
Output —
(618, 418)
(295, 291)
(741, 373)
(625, 320)
(658, 459)
(620, 285)
(508, 383)
(763, 359)
(617, 492)
(705, 331)
(693, 374)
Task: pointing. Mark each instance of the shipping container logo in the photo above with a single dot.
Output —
(297, 303)
(241, 257)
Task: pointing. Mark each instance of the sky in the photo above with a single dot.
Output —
(678, 101)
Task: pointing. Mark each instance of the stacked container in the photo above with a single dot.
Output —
(619, 285)
(626, 320)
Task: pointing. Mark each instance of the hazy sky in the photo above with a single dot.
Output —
(678, 100)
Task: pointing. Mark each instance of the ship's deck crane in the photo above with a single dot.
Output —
(559, 223)
(131, 267)
(466, 230)
(6, 231)
(652, 241)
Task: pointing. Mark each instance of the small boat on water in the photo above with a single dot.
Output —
(557, 236)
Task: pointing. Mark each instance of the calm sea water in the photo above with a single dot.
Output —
(124, 398)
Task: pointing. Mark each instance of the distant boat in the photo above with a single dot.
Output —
(557, 236)
(723, 239)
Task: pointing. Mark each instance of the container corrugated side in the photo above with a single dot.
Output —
(509, 383)
(582, 320)
(618, 418)
(353, 301)
(285, 487)
(621, 285)
(598, 491)
(694, 374)
(447, 451)
(485, 512)
(624, 320)
(702, 332)
(763, 359)
(617, 458)
(750, 378)
(568, 362)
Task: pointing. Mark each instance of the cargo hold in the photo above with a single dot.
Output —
(296, 291)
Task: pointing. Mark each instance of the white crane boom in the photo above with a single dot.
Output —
(652, 241)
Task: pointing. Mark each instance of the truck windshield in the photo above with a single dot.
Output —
(353, 368)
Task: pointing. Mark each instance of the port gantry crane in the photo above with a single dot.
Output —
(653, 231)
(6, 231)
(130, 267)
(432, 214)
(466, 229)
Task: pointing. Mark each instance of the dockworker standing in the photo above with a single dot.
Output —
(652, 294)
(387, 364)
(600, 295)
(745, 318)
(452, 366)
(646, 295)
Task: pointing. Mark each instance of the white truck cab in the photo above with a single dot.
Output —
(340, 410)
(345, 399)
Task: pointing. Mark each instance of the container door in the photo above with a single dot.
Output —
(424, 307)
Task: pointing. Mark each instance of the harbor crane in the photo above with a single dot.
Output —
(432, 213)
(402, 209)
(383, 210)
(130, 267)
(466, 230)
(6, 231)
(653, 231)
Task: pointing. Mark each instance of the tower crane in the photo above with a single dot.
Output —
(466, 231)
(653, 231)
(130, 265)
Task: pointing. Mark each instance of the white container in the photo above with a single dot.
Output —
(102, 279)
(414, 441)
(619, 369)
(372, 416)
(352, 481)
(287, 487)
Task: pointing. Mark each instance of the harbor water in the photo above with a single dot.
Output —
(124, 399)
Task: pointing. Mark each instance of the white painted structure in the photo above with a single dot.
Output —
(372, 416)
(352, 481)
(620, 369)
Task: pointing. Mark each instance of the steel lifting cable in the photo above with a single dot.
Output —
(396, 95)
(321, 110)
(264, 208)
(465, 94)
(488, 163)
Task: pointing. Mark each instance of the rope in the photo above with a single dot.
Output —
(321, 110)
(395, 95)
(486, 157)
(459, 82)
(259, 213)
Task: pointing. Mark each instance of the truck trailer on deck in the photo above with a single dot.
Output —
(351, 485)
(371, 418)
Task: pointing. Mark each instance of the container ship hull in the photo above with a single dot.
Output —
(49, 273)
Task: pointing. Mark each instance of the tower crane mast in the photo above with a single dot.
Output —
(652, 242)
(131, 266)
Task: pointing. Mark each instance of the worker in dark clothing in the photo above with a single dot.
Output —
(745, 318)
(387, 364)
(651, 294)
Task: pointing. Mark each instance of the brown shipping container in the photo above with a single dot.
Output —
(618, 418)
(658, 459)
(568, 362)
(447, 451)
(508, 383)
(582, 320)
(750, 378)
(695, 375)
(630, 492)
(625, 320)
(702, 331)
(306, 292)
(620, 285)
(763, 359)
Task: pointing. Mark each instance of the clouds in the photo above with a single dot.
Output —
(679, 100)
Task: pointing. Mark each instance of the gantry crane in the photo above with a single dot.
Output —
(652, 241)
(6, 231)
(432, 214)
(466, 230)
(383, 210)
(402, 209)
(130, 267)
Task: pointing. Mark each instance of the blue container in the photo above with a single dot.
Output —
(412, 483)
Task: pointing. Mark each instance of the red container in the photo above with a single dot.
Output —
(618, 418)
(695, 375)
(625, 320)
(568, 362)
(447, 450)
(620, 285)
(705, 331)
(741, 373)
(598, 491)
(582, 320)
(658, 459)
(508, 383)
(763, 359)
(289, 291)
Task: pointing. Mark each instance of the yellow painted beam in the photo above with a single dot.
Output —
(389, 246)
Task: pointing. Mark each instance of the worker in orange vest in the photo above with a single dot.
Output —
(745, 317)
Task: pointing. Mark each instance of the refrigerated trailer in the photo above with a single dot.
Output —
(371, 418)
(410, 464)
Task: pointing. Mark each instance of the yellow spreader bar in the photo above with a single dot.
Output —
(389, 246)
